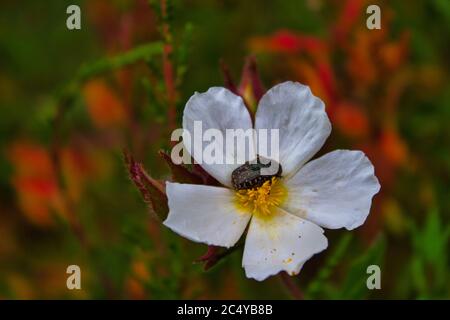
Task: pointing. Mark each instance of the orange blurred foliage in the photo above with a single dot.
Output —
(352, 121)
(104, 106)
(37, 184)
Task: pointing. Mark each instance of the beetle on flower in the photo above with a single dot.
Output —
(284, 212)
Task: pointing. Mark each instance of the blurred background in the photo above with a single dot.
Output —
(72, 100)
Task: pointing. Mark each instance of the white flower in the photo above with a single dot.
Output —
(285, 214)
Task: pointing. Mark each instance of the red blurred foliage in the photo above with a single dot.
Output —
(119, 26)
(288, 42)
(37, 180)
(350, 14)
(250, 87)
(359, 75)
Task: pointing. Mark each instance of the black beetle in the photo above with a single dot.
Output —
(248, 176)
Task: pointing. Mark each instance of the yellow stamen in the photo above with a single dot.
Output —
(262, 200)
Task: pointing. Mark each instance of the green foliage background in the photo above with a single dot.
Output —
(122, 251)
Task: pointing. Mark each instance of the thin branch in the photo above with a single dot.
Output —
(143, 52)
(291, 286)
(169, 78)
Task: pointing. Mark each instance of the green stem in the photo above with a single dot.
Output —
(143, 52)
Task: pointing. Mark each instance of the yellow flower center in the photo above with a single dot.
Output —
(264, 200)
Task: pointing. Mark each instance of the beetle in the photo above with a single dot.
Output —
(248, 176)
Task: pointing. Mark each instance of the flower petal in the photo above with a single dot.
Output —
(218, 109)
(204, 214)
(334, 190)
(285, 242)
(302, 122)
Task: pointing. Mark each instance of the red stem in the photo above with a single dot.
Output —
(291, 286)
(168, 69)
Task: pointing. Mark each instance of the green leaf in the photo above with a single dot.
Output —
(354, 286)
(430, 247)
(319, 283)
